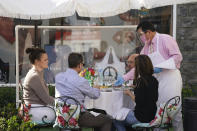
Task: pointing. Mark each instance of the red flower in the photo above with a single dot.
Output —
(29, 106)
(73, 122)
(26, 110)
(61, 120)
(170, 106)
(65, 109)
(160, 111)
(153, 120)
(81, 107)
(91, 71)
(26, 118)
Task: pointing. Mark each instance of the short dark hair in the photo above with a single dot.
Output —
(74, 59)
(35, 54)
(146, 25)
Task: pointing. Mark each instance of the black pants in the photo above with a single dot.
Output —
(99, 123)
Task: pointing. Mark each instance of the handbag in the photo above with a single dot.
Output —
(67, 115)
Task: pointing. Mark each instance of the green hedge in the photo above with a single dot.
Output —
(9, 119)
(8, 95)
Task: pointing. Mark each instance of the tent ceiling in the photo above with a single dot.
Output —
(46, 9)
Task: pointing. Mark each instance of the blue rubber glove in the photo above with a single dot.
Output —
(119, 81)
(157, 70)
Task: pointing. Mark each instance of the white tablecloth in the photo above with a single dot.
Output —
(115, 103)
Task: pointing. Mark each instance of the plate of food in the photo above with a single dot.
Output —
(128, 88)
(120, 88)
(106, 89)
(117, 88)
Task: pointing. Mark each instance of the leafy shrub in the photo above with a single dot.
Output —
(10, 120)
(187, 92)
(8, 111)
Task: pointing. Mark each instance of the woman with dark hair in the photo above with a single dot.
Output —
(145, 94)
(36, 92)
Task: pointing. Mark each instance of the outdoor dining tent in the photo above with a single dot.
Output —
(46, 9)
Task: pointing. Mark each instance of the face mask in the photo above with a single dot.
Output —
(143, 38)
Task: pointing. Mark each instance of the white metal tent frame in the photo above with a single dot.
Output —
(18, 27)
(71, 27)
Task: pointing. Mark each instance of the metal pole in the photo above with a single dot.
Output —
(17, 67)
(174, 20)
(78, 27)
(62, 23)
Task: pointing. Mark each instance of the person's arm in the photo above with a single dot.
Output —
(36, 84)
(129, 75)
(129, 93)
(171, 47)
(89, 91)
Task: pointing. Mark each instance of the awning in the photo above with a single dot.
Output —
(158, 3)
(46, 9)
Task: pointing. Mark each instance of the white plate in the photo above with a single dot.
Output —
(106, 89)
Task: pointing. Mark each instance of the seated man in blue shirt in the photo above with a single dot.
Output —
(69, 83)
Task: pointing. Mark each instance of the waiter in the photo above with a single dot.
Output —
(166, 58)
(164, 52)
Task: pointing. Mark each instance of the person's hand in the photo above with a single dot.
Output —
(157, 70)
(127, 92)
(119, 81)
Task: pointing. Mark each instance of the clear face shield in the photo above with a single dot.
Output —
(139, 43)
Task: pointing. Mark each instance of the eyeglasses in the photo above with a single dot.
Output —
(138, 35)
(129, 62)
(141, 33)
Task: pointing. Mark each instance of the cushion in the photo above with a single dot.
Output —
(67, 115)
(141, 125)
(168, 113)
(173, 109)
(158, 117)
(32, 113)
(24, 112)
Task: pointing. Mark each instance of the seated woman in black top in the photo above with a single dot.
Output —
(145, 94)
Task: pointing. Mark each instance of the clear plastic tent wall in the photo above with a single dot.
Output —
(93, 42)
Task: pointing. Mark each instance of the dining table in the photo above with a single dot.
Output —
(114, 102)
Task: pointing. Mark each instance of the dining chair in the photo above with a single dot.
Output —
(163, 117)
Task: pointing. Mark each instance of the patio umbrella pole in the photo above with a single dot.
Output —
(17, 68)
(36, 44)
(174, 20)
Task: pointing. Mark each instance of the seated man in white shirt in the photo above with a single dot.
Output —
(69, 83)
